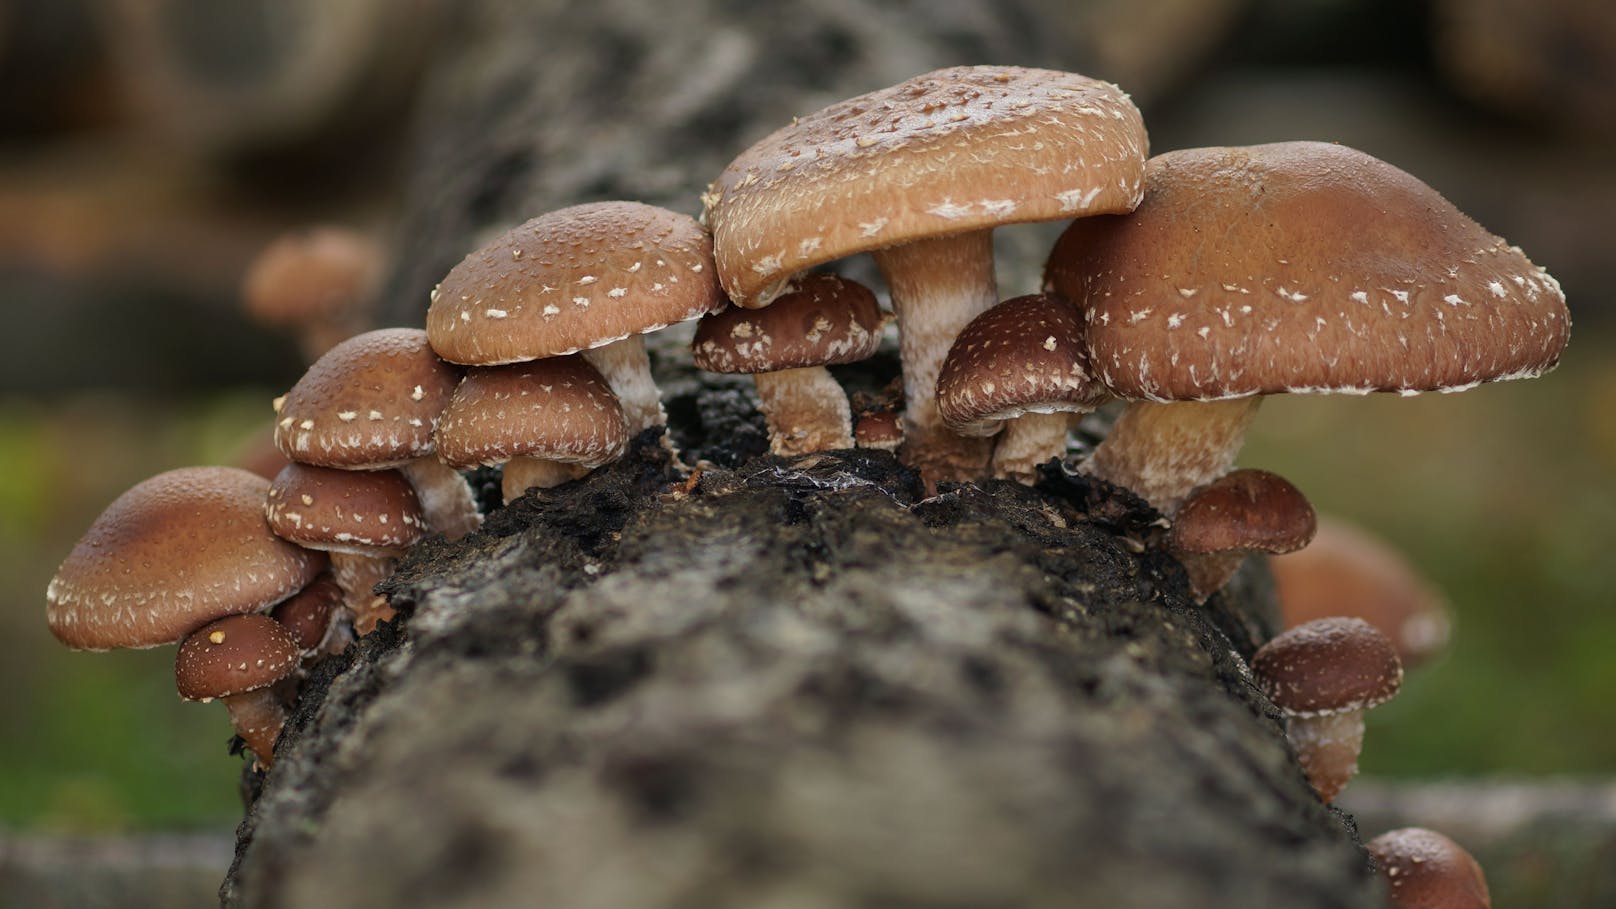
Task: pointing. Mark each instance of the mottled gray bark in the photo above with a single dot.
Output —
(773, 682)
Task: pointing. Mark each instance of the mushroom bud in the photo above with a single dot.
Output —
(316, 283)
(1323, 675)
(1239, 513)
(878, 429)
(239, 659)
(1425, 870)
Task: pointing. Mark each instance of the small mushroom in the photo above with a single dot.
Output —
(240, 659)
(1240, 513)
(878, 429)
(1021, 366)
(311, 615)
(372, 403)
(1323, 675)
(1425, 870)
(590, 278)
(316, 283)
(547, 421)
(821, 320)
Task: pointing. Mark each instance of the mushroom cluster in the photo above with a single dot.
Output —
(1187, 285)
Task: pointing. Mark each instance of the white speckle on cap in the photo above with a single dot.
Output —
(1497, 289)
(495, 313)
(1187, 292)
(949, 209)
(417, 393)
(347, 416)
(1074, 199)
(1360, 296)
(871, 228)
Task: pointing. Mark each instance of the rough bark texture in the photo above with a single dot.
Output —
(772, 682)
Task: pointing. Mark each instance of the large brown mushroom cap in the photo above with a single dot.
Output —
(1301, 267)
(821, 320)
(372, 401)
(555, 409)
(1023, 355)
(364, 512)
(173, 553)
(571, 280)
(233, 656)
(1328, 666)
(947, 152)
(1426, 870)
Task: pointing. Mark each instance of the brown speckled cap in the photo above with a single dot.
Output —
(820, 320)
(1023, 355)
(555, 409)
(233, 656)
(947, 152)
(1328, 666)
(1301, 267)
(363, 512)
(1426, 870)
(1244, 511)
(173, 553)
(307, 614)
(574, 279)
(370, 402)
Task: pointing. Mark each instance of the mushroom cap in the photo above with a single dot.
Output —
(574, 279)
(173, 553)
(1426, 870)
(555, 409)
(363, 512)
(1301, 267)
(370, 402)
(307, 614)
(821, 320)
(947, 152)
(881, 429)
(1328, 666)
(1244, 511)
(234, 655)
(1023, 355)
(310, 274)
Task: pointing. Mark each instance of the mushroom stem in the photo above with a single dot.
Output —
(938, 286)
(522, 474)
(358, 576)
(446, 498)
(1162, 451)
(806, 410)
(257, 717)
(1208, 572)
(1027, 441)
(627, 370)
(1327, 748)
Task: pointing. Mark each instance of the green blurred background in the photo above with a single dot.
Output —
(127, 216)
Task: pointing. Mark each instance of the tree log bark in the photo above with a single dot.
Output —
(781, 682)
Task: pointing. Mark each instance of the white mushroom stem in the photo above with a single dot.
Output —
(1163, 451)
(1327, 747)
(446, 498)
(806, 410)
(1027, 441)
(938, 286)
(358, 576)
(627, 370)
(522, 474)
(257, 717)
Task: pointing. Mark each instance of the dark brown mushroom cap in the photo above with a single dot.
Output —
(1025, 354)
(1328, 666)
(307, 614)
(310, 274)
(1301, 267)
(173, 553)
(571, 280)
(555, 409)
(947, 152)
(1426, 870)
(233, 656)
(370, 402)
(820, 320)
(364, 512)
(1244, 511)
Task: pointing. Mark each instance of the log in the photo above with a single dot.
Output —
(764, 681)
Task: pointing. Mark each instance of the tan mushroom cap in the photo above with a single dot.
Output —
(372, 401)
(1426, 870)
(173, 553)
(310, 274)
(1328, 666)
(556, 409)
(1244, 511)
(234, 655)
(363, 512)
(1024, 355)
(1301, 267)
(820, 320)
(308, 613)
(947, 152)
(571, 280)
